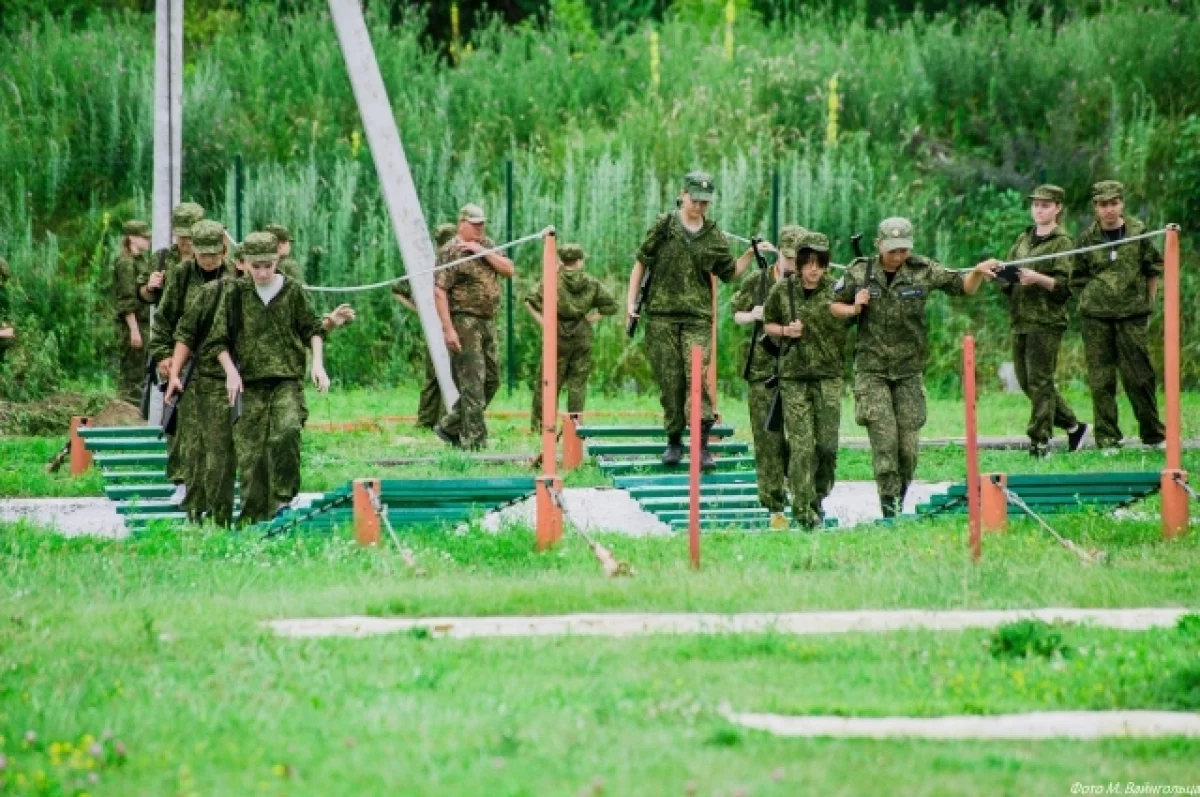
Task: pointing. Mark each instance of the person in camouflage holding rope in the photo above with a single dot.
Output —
(811, 364)
(467, 297)
(582, 301)
(430, 408)
(684, 251)
(132, 312)
(892, 348)
(770, 451)
(1118, 292)
(1038, 309)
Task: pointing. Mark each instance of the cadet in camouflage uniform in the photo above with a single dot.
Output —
(467, 298)
(181, 285)
(582, 300)
(287, 264)
(152, 283)
(892, 348)
(132, 312)
(262, 329)
(811, 363)
(1038, 308)
(7, 333)
(684, 250)
(431, 408)
(770, 451)
(1119, 290)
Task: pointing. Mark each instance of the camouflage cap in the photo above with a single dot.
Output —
(1106, 190)
(789, 239)
(139, 229)
(208, 237)
(570, 253)
(443, 234)
(895, 233)
(1049, 193)
(260, 247)
(699, 186)
(816, 241)
(280, 232)
(183, 217)
(472, 213)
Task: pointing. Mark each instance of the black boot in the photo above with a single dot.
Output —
(674, 453)
(707, 463)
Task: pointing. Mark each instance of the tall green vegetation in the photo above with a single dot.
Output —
(948, 120)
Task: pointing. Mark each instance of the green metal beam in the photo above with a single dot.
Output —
(629, 449)
(651, 432)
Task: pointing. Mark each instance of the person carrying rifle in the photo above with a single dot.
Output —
(430, 408)
(770, 452)
(811, 363)
(888, 292)
(582, 301)
(682, 252)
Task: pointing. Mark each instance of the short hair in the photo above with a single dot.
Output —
(803, 255)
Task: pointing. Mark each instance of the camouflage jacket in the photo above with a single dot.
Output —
(179, 288)
(820, 351)
(289, 268)
(170, 261)
(1114, 283)
(745, 300)
(269, 341)
(126, 272)
(472, 288)
(579, 293)
(196, 325)
(1032, 306)
(893, 335)
(681, 266)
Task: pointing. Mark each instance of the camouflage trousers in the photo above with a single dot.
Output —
(267, 442)
(812, 417)
(1120, 346)
(893, 411)
(669, 345)
(574, 368)
(131, 364)
(431, 408)
(1035, 359)
(209, 455)
(477, 374)
(770, 451)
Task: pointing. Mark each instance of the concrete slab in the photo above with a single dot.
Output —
(71, 517)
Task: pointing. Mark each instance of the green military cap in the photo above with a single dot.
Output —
(185, 215)
(570, 253)
(789, 239)
(472, 213)
(895, 233)
(699, 186)
(280, 232)
(260, 247)
(1105, 190)
(816, 241)
(444, 233)
(208, 237)
(139, 229)
(1049, 193)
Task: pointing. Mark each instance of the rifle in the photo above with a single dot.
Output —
(774, 421)
(762, 297)
(151, 366)
(631, 324)
(170, 411)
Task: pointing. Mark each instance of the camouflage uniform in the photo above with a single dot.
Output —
(890, 356)
(473, 294)
(810, 381)
(430, 408)
(770, 452)
(579, 294)
(131, 369)
(678, 311)
(1039, 318)
(5, 306)
(269, 346)
(287, 265)
(183, 217)
(1115, 305)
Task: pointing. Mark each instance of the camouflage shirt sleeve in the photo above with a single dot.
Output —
(125, 286)
(162, 334)
(945, 279)
(534, 297)
(305, 321)
(1059, 269)
(744, 300)
(723, 264)
(190, 328)
(647, 253)
(602, 300)
(775, 309)
(1152, 261)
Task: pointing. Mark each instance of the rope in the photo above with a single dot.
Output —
(388, 283)
(1087, 557)
(747, 241)
(1080, 250)
(293, 522)
(1187, 488)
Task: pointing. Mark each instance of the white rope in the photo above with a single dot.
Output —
(1081, 250)
(388, 283)
(749, 242)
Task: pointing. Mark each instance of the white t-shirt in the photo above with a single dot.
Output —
(271, 290)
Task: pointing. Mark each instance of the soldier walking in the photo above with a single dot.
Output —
(430, 407)
(132, 312)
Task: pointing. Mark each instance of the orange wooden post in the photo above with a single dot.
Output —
(712, 360)
(993, 502)
(972, 447)
(1174, 497)
(697, 445)
(366, 519)
(549, 485)
(572, 446)
(81, 458)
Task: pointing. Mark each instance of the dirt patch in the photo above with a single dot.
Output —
(49, 416)
(118, 413)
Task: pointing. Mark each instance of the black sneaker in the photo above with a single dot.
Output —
(446, 437)
(1077, 438)
(674, 453)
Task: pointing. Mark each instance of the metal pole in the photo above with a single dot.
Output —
(239, 194)
(1174, 496)
(775, 206)
(509, 339)
(549, 486)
